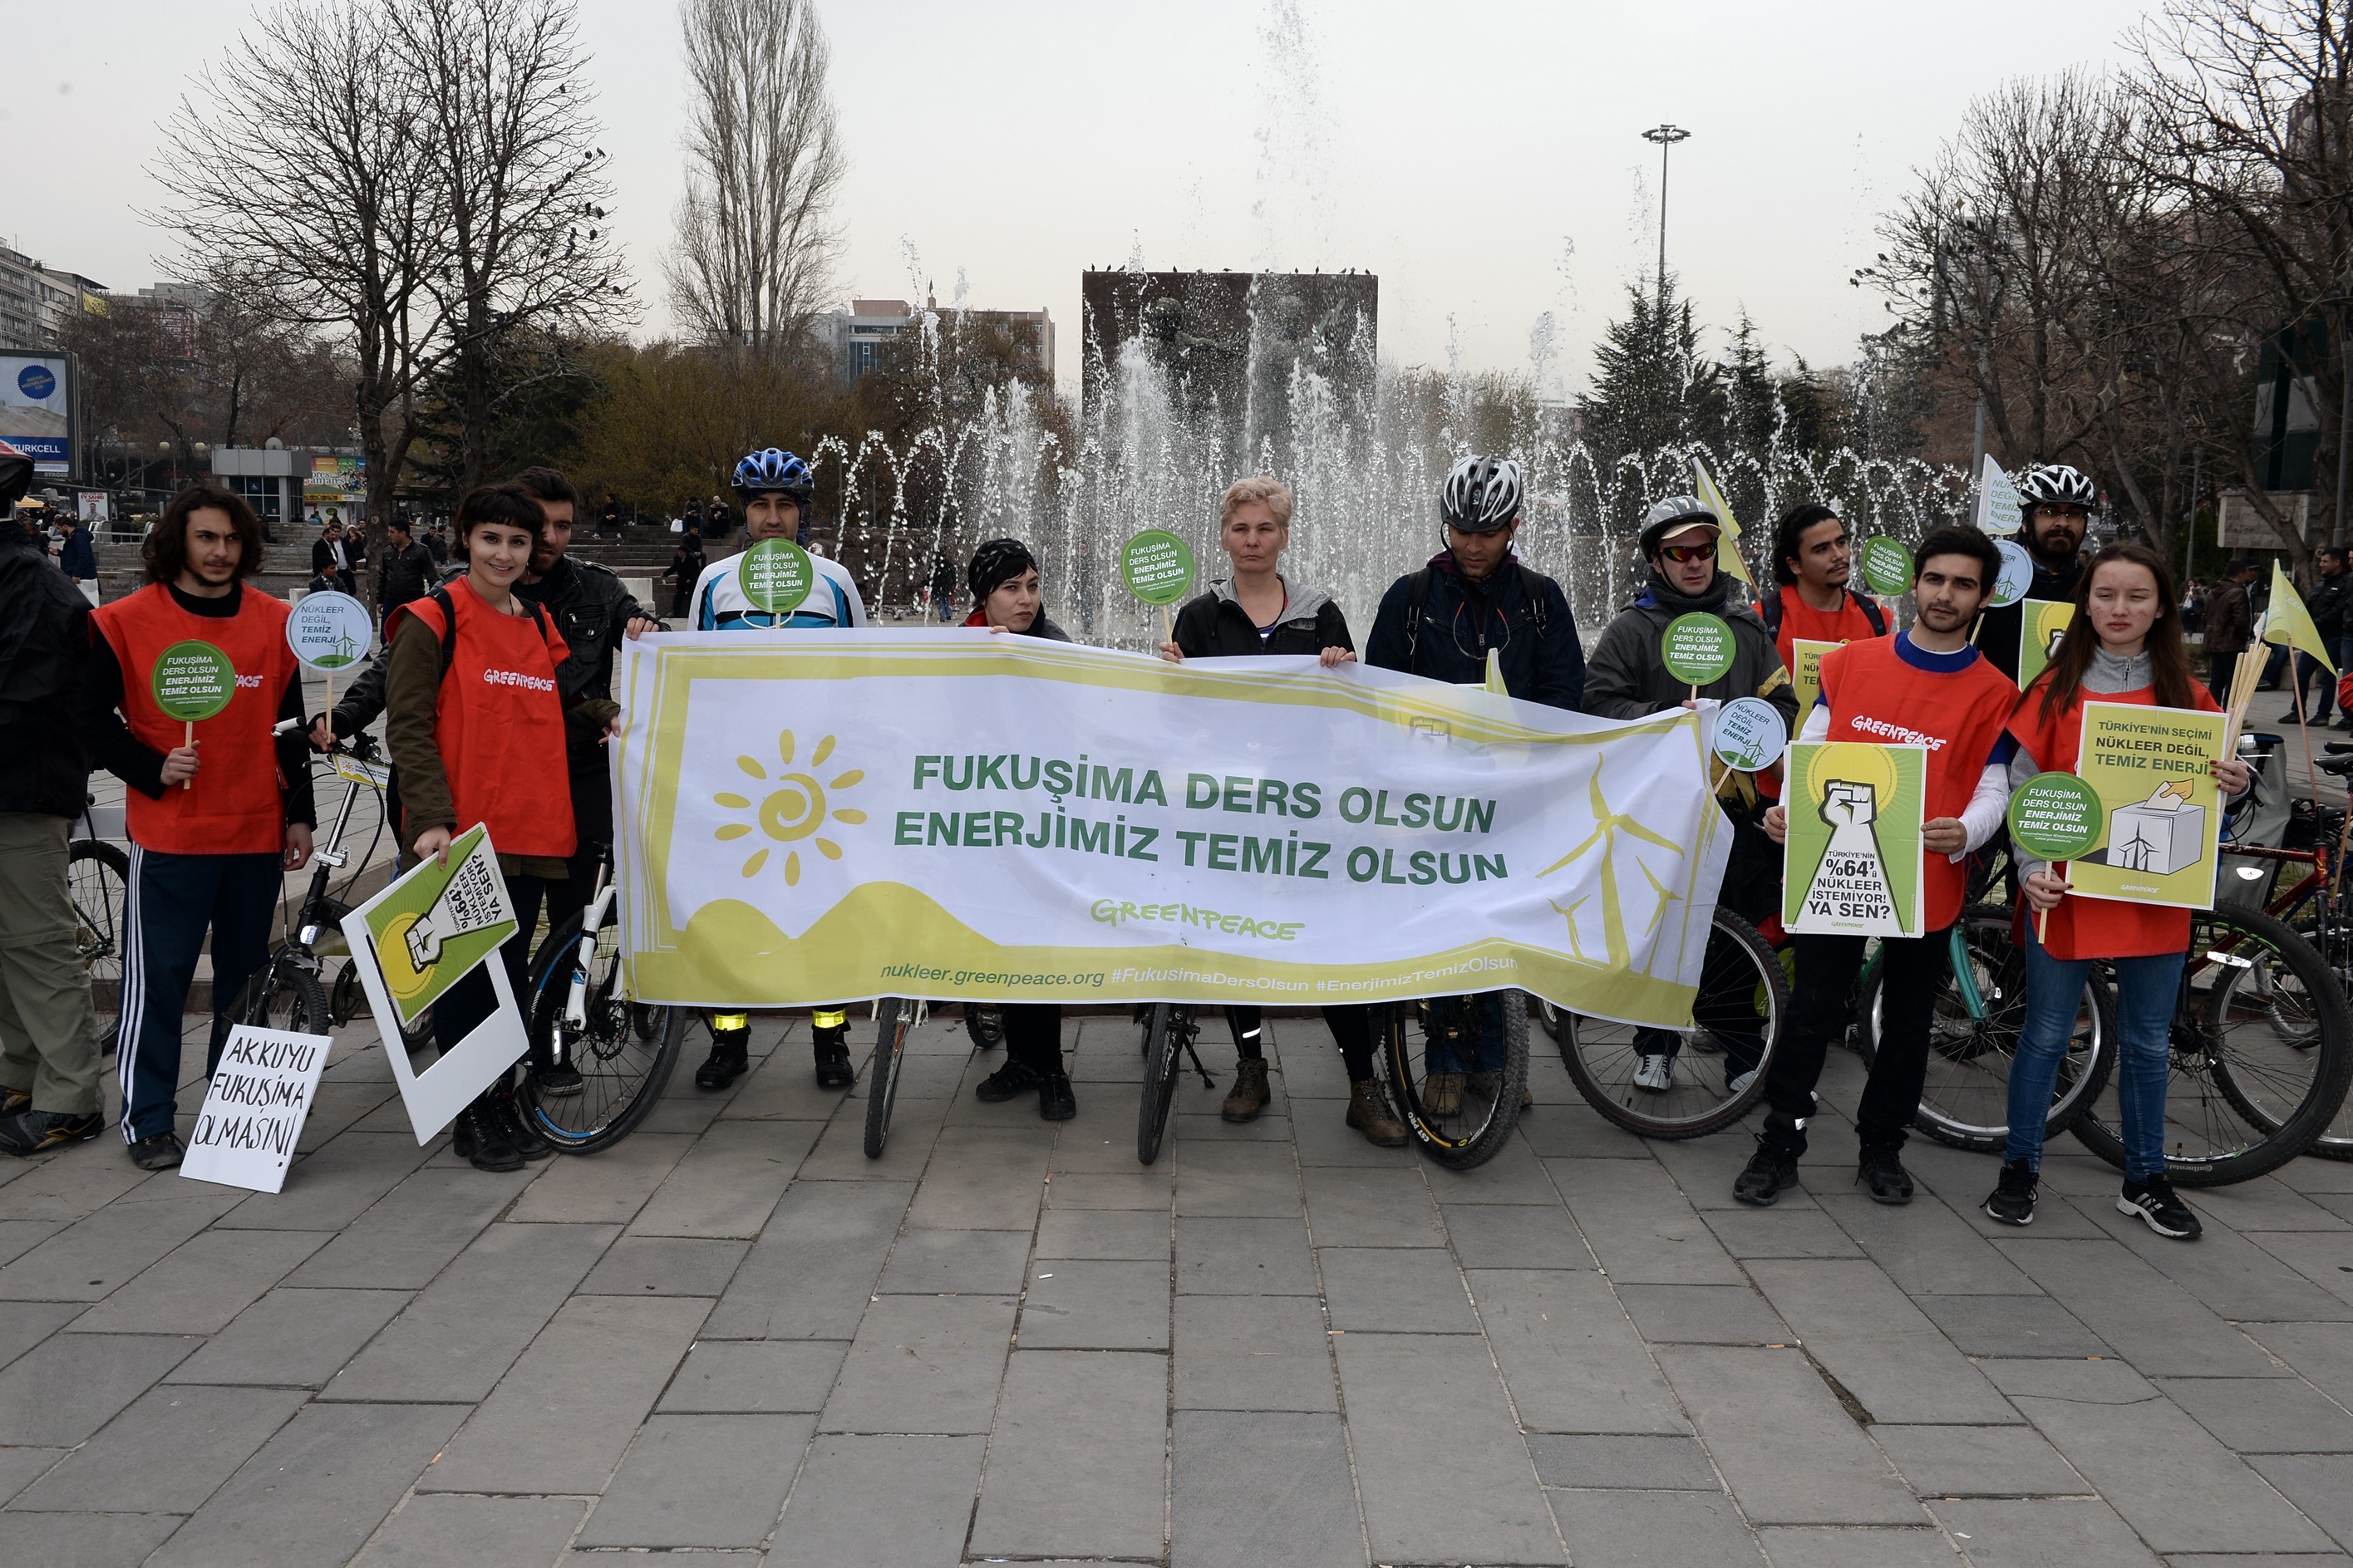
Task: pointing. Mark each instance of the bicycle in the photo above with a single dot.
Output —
(599, 1058)
(285, 993)
(1738, 1012)
(1169, 1027)
(2261, 1052)
(895, 1018)
(1973, 1033)
(97, 883)
(1450, 1087)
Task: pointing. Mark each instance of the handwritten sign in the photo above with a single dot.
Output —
(254, 1110)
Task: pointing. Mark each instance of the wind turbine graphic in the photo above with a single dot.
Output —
(1607, 825)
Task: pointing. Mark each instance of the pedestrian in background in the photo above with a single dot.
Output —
(407, 570)
(686, 564)
(79, 559)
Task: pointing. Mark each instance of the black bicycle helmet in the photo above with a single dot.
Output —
(1480, 495)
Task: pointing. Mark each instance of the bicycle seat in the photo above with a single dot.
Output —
(2336, 745)
(2338, 767)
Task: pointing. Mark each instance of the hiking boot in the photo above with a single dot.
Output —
(2012, 1200)
(1769, 1170)
(1442, 1093)
(160, 1153)
(1369, 1114)
(833, 1069)
(30, 1132)
(2165, 1213)
(1055, 1102)
(1881, 1173)
(729, 1059)
(1007, 1082)
(1655, 1073)
(516, 1123)
(1250, 1095)
(478, 1136)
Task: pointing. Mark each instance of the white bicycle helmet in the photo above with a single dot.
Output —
(2057, 484)
(1480, 495)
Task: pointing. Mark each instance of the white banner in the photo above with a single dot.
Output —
(818, 816)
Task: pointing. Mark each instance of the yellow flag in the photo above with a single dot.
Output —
(1495, 674)
(1729, 558)
(2289, 623)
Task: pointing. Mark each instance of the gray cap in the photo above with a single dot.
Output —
(1672, 514)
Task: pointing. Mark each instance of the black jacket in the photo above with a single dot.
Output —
(1461, 620)
(44, 636)
(1998, 629)
(406, 574)
(2328, 602)
(1215, 626)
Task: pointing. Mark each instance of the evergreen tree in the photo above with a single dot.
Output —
(1652, 397)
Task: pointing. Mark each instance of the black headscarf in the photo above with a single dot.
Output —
(994, 563)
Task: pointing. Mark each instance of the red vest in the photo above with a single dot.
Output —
(1876, 696)
(232, 806)
(2082, 926)
(498, 725)
(1800, 622)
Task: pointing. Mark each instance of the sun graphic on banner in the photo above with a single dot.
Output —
(792, 811)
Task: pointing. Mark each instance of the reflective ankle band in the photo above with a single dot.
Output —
(830, 1017)
(731, 1020)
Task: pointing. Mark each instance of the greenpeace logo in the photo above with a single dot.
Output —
(517, 678)
(248, 683)
(1897, 735)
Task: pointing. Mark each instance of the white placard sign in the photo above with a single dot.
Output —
(330, 631)
(2017, 573)
(440, 922)
(254, 1110)
(1998, 500)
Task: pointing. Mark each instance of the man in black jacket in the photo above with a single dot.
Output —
(2058, 502)
(48, 1039)
(406, 570)
(2332, 591)
(1475, 596)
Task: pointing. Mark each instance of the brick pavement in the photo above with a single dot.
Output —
(735, 1340)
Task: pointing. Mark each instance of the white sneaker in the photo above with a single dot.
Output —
(1740, 1085)
(1655, 1073)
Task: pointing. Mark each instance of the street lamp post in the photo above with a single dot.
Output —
(1666, 136)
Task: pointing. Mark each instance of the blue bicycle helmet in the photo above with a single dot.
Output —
(769, 470)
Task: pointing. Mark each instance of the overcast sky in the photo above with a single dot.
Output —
(1483, 157)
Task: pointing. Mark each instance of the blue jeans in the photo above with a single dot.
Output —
(2147, 990)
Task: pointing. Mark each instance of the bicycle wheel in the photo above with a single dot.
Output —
(97, 877)
(1455, 1083)
(986, 1025)
(2335, 945)
(580, 1016)
(1167, 1029)
(893, 1017)
(1549, 1018)
(2261, 1050)
(1714, 1070)
(284, 996)
(1965, 1099)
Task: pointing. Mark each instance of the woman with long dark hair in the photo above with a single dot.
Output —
(2122, 645)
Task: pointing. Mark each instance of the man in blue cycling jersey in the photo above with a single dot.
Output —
(775, 488)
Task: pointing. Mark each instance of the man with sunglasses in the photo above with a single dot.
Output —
(2058, 501)
(1628, 679)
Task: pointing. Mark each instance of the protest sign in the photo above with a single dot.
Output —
(1697, 649)
(1156, 566)
(329, 631)
(254, 1108)
(191, 681)
(2149, 767)
(776, 575)
(801, 824)
(1886, 566)
(1806, 679)
(411, 943)
(1749, 734)
(1851, 865)
(1998, 510)
(2041, 625)
(2017, 573)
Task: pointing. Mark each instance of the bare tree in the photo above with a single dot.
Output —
(756, 244)
(505, 121)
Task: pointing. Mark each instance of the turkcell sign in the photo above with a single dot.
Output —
(37, 409)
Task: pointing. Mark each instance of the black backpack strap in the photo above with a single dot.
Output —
(1870, 612)
(1532, 583)
(1415, 598)
(1768, 610)
(440, 597)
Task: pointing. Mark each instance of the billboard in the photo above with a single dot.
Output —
(37, 409)
(334, 481)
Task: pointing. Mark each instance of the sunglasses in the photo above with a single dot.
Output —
(1679, 553)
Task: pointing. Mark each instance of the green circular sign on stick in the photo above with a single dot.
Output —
(1697, 649)
(1886, 566)
(1157, 565)
(1749, 734)
(2056, 816)
(330, 630)
(193, 680)
(776, 575)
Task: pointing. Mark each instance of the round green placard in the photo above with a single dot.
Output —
(2056, 816)
(1697, 649)
(1886, 566)
(1157, 565)
(776, 575)
(193, 680)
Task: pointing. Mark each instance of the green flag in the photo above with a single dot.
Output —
(2288, 622)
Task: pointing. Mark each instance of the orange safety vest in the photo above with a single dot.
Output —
(233, 805)
(498, 724)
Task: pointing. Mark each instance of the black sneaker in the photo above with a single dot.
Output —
(1006, 1083)
(31, 1132)
(478, 1137)
(15, 1099)
(2012, 1201)
(1055, 1102)
(1769, 1170)
(833, 1069)
(2154, 1201)
(729, 1059)
(1881, 1173)
(160, 1153)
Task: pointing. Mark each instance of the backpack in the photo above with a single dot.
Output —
(441, 596)
(1532, 583)
(1770, 607)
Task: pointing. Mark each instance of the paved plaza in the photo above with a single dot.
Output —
(735, 1340)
